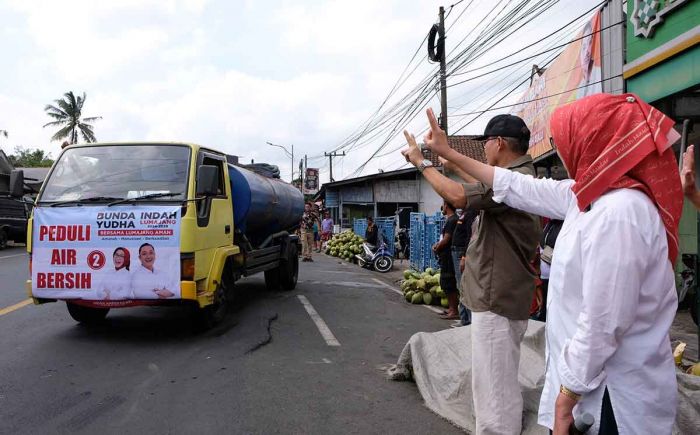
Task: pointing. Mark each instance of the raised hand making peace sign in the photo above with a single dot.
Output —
(436, 139)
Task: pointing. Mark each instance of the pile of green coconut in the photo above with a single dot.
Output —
(344, 245)
(423, 288)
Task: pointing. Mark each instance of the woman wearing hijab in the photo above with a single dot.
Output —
(116, 283)
(612, 295)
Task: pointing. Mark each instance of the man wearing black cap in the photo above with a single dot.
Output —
(498, 283)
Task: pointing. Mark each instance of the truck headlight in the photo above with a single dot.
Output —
(187, 267)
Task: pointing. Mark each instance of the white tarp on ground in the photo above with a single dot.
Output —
(440, 364)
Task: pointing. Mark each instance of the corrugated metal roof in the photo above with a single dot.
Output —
(464, 145)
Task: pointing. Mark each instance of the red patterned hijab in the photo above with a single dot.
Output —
(618, 141)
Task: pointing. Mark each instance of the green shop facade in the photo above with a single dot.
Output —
(662, 66)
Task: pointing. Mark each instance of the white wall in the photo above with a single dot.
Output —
(429, 201)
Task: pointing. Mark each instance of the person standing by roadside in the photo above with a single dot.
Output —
(612, 294)
(308, 220)
(549, 239)
(688, 177)
(443, 249)
(371, 233)
(497, 278)
(326, 227)
(317, 236)
(461, 236)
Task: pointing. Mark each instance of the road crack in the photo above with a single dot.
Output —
(268, 339)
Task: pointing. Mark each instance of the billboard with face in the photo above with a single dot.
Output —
(576, 73)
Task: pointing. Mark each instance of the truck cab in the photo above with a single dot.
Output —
(121, 225)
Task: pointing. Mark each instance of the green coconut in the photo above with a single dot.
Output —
(417, 298)
(445, 302)
(409, 295)
(433, 291)
(427, 298)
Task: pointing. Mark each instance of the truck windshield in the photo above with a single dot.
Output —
(118, 172)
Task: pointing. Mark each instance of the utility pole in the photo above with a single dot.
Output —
(301, 176)
(330, 161)
(443, 78)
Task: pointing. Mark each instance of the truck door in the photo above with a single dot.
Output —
(214, 214)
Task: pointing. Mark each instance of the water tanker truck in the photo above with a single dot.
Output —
(123, 225)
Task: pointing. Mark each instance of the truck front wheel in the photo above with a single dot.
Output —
(205, 318)
(86, 315)
(289, 269)
(272, 279)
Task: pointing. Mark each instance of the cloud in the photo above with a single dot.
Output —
(230, 75)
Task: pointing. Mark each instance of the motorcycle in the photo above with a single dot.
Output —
(379, 258)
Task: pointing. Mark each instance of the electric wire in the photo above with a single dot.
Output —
(585, 14)
(502, 24)
(406, 109)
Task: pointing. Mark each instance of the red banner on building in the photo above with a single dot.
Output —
(574, 74)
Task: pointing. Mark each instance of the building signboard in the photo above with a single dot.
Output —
(574, 74)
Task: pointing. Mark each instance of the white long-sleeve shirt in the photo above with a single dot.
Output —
(610, 304)
(144, 283)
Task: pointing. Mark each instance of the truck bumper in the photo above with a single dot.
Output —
(188, 291)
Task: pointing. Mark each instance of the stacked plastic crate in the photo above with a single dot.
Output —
(359, 226)
(416, 236)
(385, 225)
(424, 233)
(433, 228)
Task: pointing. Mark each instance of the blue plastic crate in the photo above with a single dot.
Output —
(416, 236)
(433, 228)
(359, 226)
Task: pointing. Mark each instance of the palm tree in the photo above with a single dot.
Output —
(66, 113)
(3, 133)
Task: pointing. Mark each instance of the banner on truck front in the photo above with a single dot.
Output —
(106, 253)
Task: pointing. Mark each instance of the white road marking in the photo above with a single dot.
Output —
(11, 256)
(320, 324)
(394, 289)
(323, 361)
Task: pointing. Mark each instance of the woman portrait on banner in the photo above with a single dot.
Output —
(116, 282)
(612, 295)
(590, 72)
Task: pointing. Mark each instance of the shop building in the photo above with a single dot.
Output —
(663, 68)
(390, 193)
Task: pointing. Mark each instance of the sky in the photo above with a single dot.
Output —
(234, 75)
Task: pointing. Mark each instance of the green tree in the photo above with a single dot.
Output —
(3, 133)
(30, 158)
(67, 114)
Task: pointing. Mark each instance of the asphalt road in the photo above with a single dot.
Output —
(144, 371)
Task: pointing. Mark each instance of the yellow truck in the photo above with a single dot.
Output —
(129, 224)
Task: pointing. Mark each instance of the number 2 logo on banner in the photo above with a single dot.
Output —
(96, 260)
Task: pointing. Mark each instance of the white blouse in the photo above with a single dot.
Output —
(115, 285)
(610, 303)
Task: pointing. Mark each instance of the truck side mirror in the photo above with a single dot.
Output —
(17, 183)
(207, 180)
